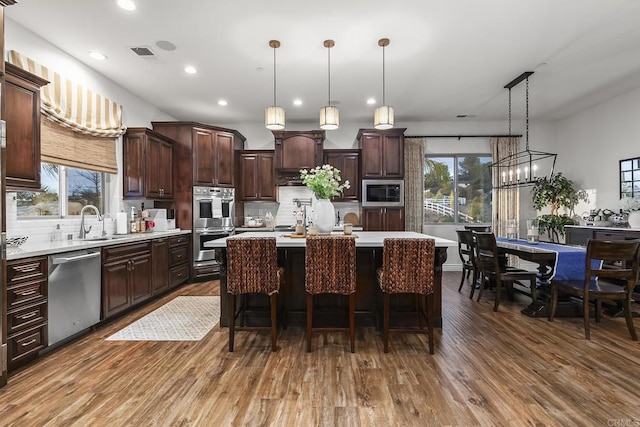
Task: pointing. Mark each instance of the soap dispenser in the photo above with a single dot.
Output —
(56, 235)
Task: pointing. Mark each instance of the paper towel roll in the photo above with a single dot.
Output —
(121, 223)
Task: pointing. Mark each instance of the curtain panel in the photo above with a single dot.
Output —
(505, 201)
(413, 183)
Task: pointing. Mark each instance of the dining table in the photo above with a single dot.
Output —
(554, 262)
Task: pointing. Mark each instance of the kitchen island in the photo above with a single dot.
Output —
(292, 297)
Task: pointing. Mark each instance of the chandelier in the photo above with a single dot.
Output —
(523, 168)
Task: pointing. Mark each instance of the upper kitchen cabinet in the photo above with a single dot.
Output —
(382, 152)
(21, 112)
(348, 162)
(295, 150)
(213, 155)
(148, 164)
(257, 181)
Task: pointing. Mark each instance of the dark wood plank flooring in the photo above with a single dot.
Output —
(489, 369)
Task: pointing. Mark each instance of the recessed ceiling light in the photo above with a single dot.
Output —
(222, 102)
(297, 102)
(97, 55)
(189, 69)
(371, 101)
(127, 4)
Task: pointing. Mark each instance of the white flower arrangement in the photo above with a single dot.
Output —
(324, 181)
(628, 204)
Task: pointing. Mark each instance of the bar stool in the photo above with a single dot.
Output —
(252, 267)
(407, 267)
(330, 268)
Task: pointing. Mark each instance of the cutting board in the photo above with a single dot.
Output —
(351, 218)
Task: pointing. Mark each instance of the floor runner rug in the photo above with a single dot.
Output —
(184, 318)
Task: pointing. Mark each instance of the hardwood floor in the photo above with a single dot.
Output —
(489, 369)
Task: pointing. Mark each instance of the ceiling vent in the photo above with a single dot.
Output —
(144, 52)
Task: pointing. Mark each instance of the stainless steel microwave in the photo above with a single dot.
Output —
(382, 192)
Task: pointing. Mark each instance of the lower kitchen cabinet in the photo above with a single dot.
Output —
(383, 219)
(27, 310)
(126, 277)
(160, 262)
(178, 260)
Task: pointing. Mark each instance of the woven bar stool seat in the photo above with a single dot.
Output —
(330, 268)
(252, 267)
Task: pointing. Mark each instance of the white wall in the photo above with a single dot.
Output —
(590, 144)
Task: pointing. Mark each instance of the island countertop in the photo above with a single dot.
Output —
(364, 239)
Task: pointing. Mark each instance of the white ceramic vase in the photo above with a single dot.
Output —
(634, 219)
(324, 216)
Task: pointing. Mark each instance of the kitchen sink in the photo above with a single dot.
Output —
(114, 237)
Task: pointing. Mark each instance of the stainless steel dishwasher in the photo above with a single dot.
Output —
(74, 293)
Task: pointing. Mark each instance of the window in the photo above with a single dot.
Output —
(457, 189)
(65, 191)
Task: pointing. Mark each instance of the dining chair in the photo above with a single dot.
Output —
(407, 268)
(606, 282)
(252, 267)
(467, 256)
(488, 262)
(330, 268)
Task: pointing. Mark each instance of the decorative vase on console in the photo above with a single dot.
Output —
(324, 181)
(631, 205)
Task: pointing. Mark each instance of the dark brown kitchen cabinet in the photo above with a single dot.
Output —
(257, 180)
(160, 265)
(148, 164)
(348, 162)
(27, 309)
(295, 150)
(382, 153)
(126, 277)
(178, 260)
(202, 155)
(21, 112)
(383, 219)
(213, 155)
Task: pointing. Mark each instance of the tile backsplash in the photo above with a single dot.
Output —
(283, 211)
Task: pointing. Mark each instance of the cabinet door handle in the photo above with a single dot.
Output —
(24, 344)
(29, 316)
(180, 274)
(28, 268)
(27, 293)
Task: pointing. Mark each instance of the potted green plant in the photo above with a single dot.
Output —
(558, 192)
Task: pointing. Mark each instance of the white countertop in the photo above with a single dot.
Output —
(603, 228)
(29, 249)
(364, 239)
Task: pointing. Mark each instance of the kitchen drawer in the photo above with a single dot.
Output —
(178, 255)
(24, 270)
(178, 275)
(178, 240)
(27, 317)
(26, 345)
(609, 235)
(119, 252)
(26, 293)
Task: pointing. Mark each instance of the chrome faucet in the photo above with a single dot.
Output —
(300, 203)
(83, 231)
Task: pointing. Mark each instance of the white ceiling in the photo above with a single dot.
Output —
(445, 57)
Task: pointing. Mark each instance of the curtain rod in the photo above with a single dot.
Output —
(462, 136)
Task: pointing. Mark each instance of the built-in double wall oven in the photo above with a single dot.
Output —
(213, 212)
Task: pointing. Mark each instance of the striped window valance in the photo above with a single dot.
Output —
(72, 105)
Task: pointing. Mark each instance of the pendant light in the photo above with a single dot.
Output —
(329, 116)
(274, 115)
(383, 116)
